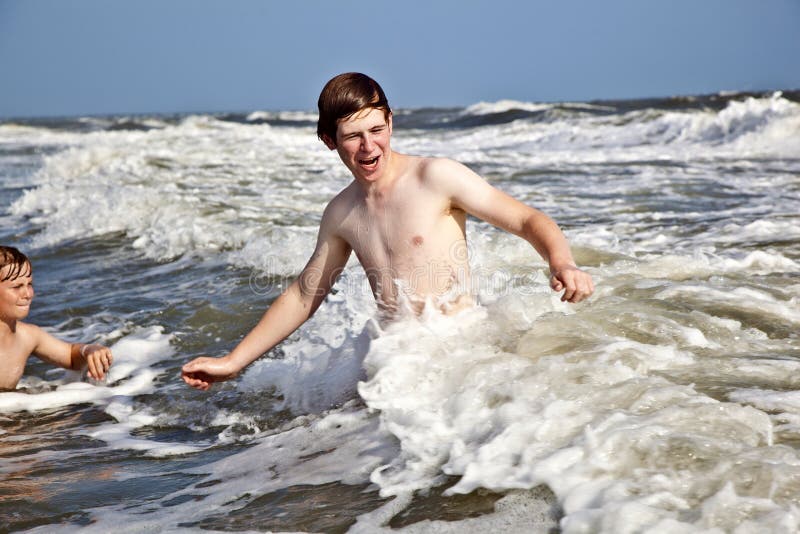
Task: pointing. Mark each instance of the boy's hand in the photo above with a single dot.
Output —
(201, 372)
(576, 284)
(98, 360)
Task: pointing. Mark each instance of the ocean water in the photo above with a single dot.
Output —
(668, 402)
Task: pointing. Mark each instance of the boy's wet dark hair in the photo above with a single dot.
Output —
(345, 95)
(19, 262)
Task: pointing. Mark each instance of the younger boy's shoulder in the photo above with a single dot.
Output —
(15, 348)
(28, 334)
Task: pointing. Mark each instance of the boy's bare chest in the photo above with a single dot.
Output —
(14, 352)
(403, 232)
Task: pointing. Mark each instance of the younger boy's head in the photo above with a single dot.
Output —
(13, 264)
(16, 284)
(345, 95)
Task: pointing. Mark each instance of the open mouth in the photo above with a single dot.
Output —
(368, 162)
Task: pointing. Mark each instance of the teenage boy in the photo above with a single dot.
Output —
(404, 217)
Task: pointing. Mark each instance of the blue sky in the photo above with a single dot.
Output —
(80, 57)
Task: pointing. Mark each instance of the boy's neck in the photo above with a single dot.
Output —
(7, 327)
(378, 188)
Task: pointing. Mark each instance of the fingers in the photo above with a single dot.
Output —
(579, 289)
(105, 360)
(202, 372)
(194, 381)
(569, 294)
(577, 285)
(99, 360)
(556, 284)
(92, 368)
(576, 291)
(196, 377)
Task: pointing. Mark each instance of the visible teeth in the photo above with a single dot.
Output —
(369, 161)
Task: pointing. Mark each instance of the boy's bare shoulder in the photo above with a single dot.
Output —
(437, 164)
(436, 168)
(25, 339)
(28, 333)
(341, 204)
(439, 173)
(337, 215)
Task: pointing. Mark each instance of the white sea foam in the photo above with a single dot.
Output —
(283, 251)
(753, 300)
(322, 368)
(758, 231)
(130, 375)
(765, 127)
(700, 264)
(665, 403)
(486, 108)
(517, 512)
(164, 189)
(208, 185)
(596, 424)
(501, 106)
(308, 116)
(127, 419)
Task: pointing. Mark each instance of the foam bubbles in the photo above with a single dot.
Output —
(130, 375)
(664, 403)
(596, 421)
(321, 369)
(196, 186)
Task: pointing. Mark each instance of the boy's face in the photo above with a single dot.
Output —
(16, 294)
(362, 142)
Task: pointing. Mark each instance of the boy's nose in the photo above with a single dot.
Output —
(367, 144)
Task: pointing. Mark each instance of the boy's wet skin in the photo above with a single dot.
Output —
(404, 217)
(18, 340)
(404, 232)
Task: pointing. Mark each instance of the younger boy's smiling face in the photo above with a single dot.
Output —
(16, 294)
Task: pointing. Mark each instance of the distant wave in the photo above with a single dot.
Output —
(144, 177)
(475, 115)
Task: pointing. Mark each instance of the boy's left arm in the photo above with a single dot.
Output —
(75, 356)
(476, 196)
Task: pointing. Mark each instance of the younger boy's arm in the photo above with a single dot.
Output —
(477, 197)
(290, 310)
(75, 356)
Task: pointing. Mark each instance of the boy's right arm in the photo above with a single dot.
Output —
(76, 356)
(290, 310)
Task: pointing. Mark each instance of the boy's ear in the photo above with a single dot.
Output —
(330, 143)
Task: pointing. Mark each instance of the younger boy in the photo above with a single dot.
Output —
(19, 340)
(404, 217)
